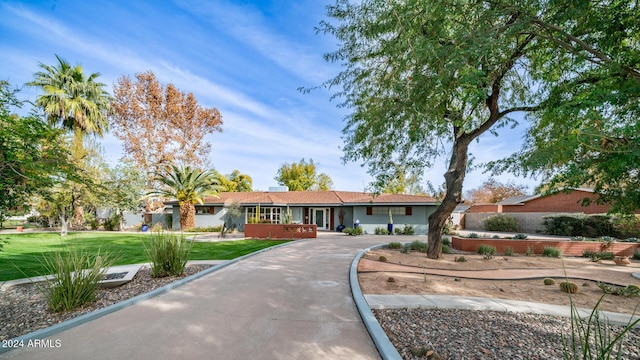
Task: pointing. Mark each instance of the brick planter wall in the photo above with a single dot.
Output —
(569, 248)
(280, 231)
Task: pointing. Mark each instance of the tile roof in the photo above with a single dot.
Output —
(318, 198)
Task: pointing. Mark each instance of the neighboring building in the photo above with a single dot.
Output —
(530, 210)
(326, 209)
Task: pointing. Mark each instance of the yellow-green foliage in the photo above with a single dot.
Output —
(549, 281)
(569, 287)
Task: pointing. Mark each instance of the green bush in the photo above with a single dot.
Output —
(628, 291)
(76, 276)
(508, 251)
(397, 231)
(112, 223)
(549, 281)
(408, 230)
(419, 246)
(460, 259)
(592, 226)
(501, 223)
(472, 236)
(205, 229)
(495, 237)
(381, 231)
(636, 254)
(445, 249)
(562, 225)
(520, 236)
(485, 249)
(168, 253)
(395, 245)
(353, 231)
(446, 240)
(551, 251)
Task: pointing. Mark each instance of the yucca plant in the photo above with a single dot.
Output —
(168, 253)
(76, 276)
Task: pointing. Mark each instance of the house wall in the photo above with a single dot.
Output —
(418, 219)
(561, 202)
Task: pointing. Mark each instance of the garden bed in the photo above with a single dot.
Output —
(280, 231)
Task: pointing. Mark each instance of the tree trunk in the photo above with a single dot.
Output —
(64, 223)
(187, 216)
(454, 178)
(78, 217)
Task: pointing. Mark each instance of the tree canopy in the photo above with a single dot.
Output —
(161, 125)
(303, 176)
(235, 182)
(493, 191)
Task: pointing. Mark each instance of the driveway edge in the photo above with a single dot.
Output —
(379, 337)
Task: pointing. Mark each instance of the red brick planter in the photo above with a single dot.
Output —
(569, 248)
(280, 231)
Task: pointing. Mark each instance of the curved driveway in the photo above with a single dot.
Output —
(293, 302)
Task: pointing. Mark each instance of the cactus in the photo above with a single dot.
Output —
(569, 287)
(549, 281)
(383, 258)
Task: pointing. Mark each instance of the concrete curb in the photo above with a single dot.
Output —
(52, 330)
(379, 337)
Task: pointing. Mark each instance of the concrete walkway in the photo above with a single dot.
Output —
(293, 302)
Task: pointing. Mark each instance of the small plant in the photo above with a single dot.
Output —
(551, 251)
(569, 287)
(495, 237)
(168, 253)
(445, 249)
(425, 352)
(395, 245)
(530, 251)
(353, 231)
(508, 251)
(578, 238)
(382, 258)
(398, 231)
(632, 240)
(501, 223)
(485, 249)
(605, 255)
(406, 249)
(76, 277)
(460, 259)
(628, 291)
(472, 236)
(520, 236)
(391, 279)
(408, 230)
(380, 231)
(636, 254)
(446, 241)
(112, 223)
(419, 246)
(207, 229)
(549, 281)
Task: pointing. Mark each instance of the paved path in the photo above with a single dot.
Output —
(293, 302)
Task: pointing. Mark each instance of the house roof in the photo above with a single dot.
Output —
(317, 198)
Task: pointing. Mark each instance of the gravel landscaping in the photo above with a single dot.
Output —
(466, 334)
(23, 309)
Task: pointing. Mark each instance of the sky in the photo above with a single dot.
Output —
(247, 58)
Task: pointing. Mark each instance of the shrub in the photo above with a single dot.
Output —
(562, 225)
(408, 230)
(397, 231)
(395, 245)
(168, 253)
(487, 251)
(419, 246)
(508, 251)
(353, 231)
(205, 229)
(551, 251)
(569, 287)
(383, 258)
(112, 223)
(76, 276)
(472, 236)
(460, 259)
(604, 255)
(445, 249)
(520, 236)
(495, 237)
(501, 223)
(628, 291)
(381, 231)
(446, 241)
(406, 249)
(636, 254)
(549, 281)
(626, 227)
(530, 251)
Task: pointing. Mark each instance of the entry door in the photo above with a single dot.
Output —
(320, 218)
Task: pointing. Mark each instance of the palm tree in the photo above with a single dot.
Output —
(189, 187)
(79, 103)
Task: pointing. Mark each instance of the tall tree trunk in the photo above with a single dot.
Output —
(454, 178)
(64, 223)
(187, 215)
(78, 217)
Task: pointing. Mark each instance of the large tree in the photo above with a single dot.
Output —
(187, 185)
(235, 182)
(161, 125)
(303, 176)
(423, 76)
(493, 191)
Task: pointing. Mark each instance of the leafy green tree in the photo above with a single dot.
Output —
(588, 77)
(303, 176)
(125, 185)
(189, 187)
(236, 182)
(419, 76)
(32, 154)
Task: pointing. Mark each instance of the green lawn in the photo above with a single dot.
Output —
(22, 255)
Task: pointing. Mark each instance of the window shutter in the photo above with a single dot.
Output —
(212, 210)
(408, 210)
(369, 210)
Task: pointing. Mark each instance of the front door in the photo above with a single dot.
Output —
(320, 218)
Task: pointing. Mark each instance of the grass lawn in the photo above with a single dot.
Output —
(22, 255)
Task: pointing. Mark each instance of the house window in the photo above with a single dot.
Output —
(204, 209)
(384, 210)
(267, 214)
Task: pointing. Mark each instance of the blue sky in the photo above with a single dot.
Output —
(246, 58)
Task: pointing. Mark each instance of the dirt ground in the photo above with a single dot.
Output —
(413, 273)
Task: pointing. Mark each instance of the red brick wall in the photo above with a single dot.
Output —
(569, 248)
(483, 208)
(561, 203)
